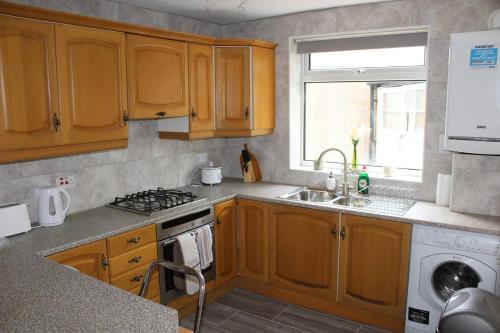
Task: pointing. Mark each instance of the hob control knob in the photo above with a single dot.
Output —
(460, 242)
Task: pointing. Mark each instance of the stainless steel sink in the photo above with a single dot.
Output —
(351, 201)
(310, 195)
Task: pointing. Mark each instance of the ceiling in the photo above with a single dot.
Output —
(231, 11)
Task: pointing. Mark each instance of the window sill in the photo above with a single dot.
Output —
(397, 178)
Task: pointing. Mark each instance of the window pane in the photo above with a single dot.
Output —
(388, 116)
(400, 143)
(377, 58)
(332, 111)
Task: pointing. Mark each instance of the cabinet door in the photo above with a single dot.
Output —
(374, 264)
(92, 88)
(200, 88)
(89, 259)
(225, 241)
(303, 250)
(28, 89)
(253, 236)
(157, 77)
(232, 82)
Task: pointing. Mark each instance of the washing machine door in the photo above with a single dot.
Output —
(443, 274)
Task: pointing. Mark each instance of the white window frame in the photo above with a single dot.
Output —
(401, 73)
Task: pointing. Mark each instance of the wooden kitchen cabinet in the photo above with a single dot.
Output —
(90, 259)
(253, 239)
(157, 77)
(92, 84)
(29, 101)
(232, 79)
(374, 259)
(225, 241)
(199, 124)
(201, 89)
(244, 90)
(303, 250)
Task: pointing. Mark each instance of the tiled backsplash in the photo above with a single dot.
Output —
(147, 162)
(476, 184)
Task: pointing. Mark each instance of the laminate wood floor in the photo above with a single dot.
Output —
(239, 311)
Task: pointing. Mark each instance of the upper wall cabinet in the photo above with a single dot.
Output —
(200, 88)
(92, 84)
(28, 88)
(157, 77)
(199, 124)
(233, 87)
(244, 85)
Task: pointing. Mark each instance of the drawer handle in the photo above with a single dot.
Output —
(161, 114)
(136, 278)
(135, 259)
(134, 240)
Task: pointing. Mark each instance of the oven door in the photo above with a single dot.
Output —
(168, 291)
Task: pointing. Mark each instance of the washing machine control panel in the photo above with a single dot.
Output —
(464, 241)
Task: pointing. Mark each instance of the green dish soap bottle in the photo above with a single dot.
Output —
(363, 181)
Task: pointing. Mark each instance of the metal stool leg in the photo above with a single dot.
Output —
(181, 269)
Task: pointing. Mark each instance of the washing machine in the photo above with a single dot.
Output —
(442, 262)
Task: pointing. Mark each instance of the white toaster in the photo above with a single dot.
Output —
(14, 219)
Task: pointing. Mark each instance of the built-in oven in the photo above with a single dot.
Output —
(167, 233)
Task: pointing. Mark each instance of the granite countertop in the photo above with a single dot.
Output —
(40, 295)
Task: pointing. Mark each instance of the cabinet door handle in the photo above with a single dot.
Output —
(334, 231)
(125, 116)
(193, 113)
(56, 122)
(246, 113)
(104, 262)
(135, 259)
(136, 278)
(161, 114)
(134, 240)
(217, 221)
(342, 233)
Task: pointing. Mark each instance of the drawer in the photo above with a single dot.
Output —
(153, 290)
(133, 278)
(132, 259)
(131, 240)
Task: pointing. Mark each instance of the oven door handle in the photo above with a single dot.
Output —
(172, 240)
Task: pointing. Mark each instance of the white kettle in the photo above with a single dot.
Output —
(50, 205)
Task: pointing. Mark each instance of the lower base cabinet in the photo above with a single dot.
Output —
(352, 266)
(303, 250)
(374, 265)
(120, 260)
(226, 256)
(90, 259)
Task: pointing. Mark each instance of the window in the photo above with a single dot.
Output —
(378, 91)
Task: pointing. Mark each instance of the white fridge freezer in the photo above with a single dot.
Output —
(473, 107)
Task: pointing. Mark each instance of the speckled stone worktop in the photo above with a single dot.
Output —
(40, 295)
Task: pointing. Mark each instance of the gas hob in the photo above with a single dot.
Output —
(151, 201)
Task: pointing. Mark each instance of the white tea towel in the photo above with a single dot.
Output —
(204, 240)
(186, 253)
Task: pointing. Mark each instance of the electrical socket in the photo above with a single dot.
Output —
(66, 181)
